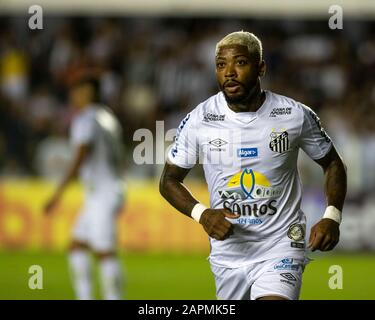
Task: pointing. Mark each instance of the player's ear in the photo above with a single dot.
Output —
(262, 68)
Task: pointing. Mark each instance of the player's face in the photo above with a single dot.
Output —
(237, 72)
(80, 95)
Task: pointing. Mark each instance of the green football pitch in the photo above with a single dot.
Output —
(173, 276)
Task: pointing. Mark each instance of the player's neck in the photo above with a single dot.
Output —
(252, 103)
(86, 106)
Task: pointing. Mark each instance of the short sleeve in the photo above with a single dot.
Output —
(83, 131)
(184, 150)
(313, 139)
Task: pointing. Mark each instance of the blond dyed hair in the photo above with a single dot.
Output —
(243, 38)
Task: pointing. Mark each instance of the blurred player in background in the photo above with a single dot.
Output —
(96, 136)
(250, 139)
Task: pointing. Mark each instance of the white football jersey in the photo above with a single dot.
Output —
(98, 127)
(250, 165)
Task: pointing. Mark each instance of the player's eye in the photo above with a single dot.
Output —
(220, 64)
(242, 62)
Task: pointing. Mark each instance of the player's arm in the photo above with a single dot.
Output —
(80, 156)
(325, 234)
(176, 193)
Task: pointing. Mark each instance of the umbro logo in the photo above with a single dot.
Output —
(218, 142)
(280, 112)
(288, 276)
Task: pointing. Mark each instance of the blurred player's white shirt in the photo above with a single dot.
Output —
(250, 165)
(97, 126)
(101, 175)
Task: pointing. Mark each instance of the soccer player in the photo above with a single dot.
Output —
(96, 136)
(248, 140)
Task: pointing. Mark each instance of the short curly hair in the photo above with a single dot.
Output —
(243, 38)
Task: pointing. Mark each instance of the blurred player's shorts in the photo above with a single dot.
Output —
(96, 223)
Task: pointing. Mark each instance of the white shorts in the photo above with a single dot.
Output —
(96, 223)
(275, 277)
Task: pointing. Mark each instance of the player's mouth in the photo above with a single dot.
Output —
(232, 86)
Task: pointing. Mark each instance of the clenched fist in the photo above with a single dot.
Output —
(215, 224)
(324, 235)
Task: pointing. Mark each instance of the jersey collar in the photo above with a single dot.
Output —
(244, 117)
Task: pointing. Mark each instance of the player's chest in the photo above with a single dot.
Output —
(256, 142)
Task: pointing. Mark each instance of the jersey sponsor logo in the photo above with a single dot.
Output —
(287, 264)
(323, 133)
(247, 152)
(250, 185)
(279, 141)
(208, 117)
(251, 209)
(250, 221)
(179, 129)
(296, 232)
(280, 112)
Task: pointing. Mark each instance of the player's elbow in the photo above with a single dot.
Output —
(163, 185)
(167, 185)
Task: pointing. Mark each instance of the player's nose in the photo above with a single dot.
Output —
(230, 71)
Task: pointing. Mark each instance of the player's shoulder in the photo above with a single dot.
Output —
(287, 106)
(85, 116)
(83, 121)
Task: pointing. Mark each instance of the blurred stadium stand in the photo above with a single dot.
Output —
(158, 64)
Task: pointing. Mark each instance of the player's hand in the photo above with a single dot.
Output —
(51, 204)
(215, 224)
(324, 235)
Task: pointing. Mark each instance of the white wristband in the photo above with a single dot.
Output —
(333, 213)
(197, 211)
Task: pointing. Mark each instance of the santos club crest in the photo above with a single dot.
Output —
(279, 141)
